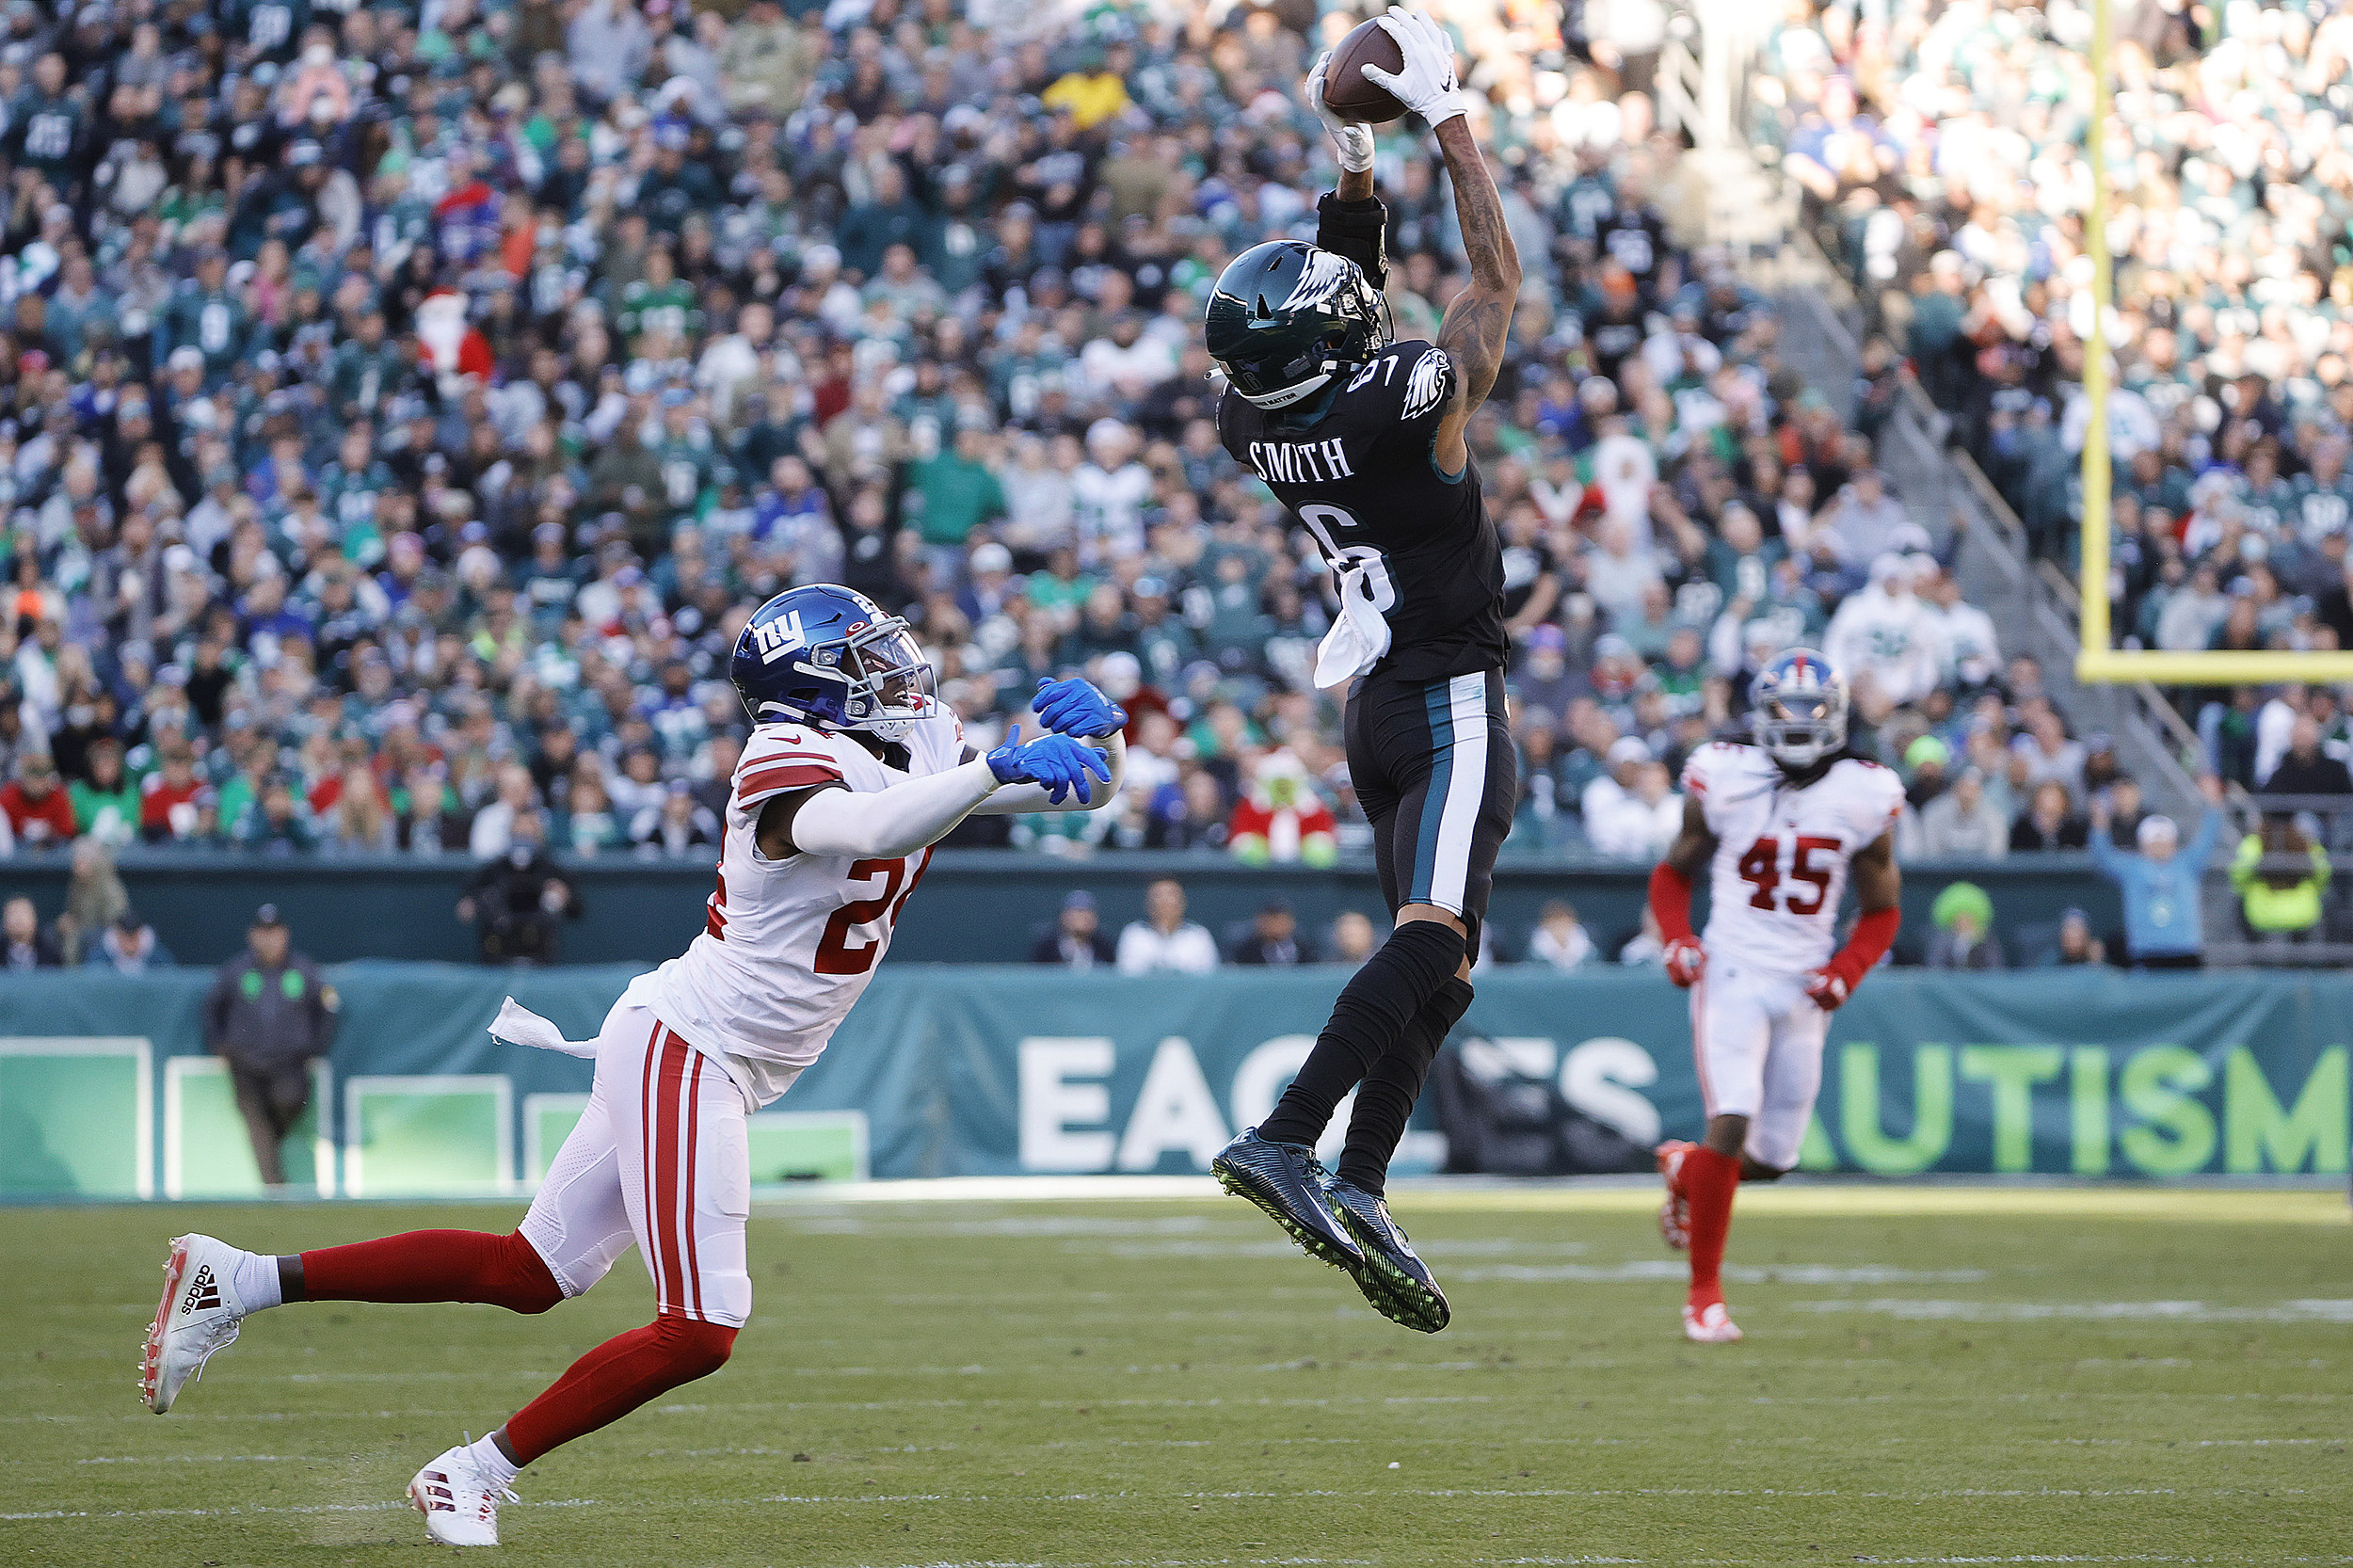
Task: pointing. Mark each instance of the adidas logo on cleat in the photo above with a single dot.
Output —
(204, 1292)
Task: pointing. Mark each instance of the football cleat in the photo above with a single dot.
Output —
(1709, 1323)
(1286, 1181)
(460, 1503)
(1675, 1215)
(1397, 1283)
(198, 1314)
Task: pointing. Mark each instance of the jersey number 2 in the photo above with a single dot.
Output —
(845, 949)
(1760, 868)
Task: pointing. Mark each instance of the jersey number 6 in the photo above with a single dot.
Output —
(836, 952)
(1321, 520)
(1761, 868)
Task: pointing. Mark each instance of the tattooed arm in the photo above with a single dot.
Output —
(1480, 320)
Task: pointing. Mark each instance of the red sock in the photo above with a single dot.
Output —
(1708, 1181)
(434, 1266)
(615, 1378)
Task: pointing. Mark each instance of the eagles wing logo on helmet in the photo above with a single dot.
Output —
(1321, 281)
(1426, 387)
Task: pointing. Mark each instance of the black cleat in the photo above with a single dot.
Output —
(1287, 1180)
(1397, 1283)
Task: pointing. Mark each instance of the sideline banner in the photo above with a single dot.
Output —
(968, 1070)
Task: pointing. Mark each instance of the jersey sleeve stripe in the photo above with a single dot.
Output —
(802, 775)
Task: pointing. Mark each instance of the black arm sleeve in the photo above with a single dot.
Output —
(1358, 231)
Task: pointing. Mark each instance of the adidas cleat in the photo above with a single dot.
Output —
(1286, 1181)
(1709, 1323)
(1675, 1215)
(198, 1314)
(1397, 1283)
(460, 1503)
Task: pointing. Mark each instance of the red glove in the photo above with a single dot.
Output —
(1835, 982)
(1686, 960)
(1671, 905)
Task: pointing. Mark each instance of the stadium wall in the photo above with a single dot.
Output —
(941, 1071)
(978, 906)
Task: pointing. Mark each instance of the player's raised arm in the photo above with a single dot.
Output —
(1479, 322)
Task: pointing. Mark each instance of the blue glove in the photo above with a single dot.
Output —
(1076, 707)
(1056, 761)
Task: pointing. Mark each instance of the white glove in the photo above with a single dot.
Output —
(1426, 83)
(1353, 141)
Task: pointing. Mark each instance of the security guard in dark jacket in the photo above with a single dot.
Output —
(269, 1013)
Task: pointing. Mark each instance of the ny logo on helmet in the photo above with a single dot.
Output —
(779, 637)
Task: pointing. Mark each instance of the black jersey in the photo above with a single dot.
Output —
(1361, 476)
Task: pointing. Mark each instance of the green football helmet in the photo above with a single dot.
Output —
(1287, 316)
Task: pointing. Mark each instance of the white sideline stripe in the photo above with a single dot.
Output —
(1466, 784)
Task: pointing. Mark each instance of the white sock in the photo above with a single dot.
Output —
(255, 1281)
(492, 1461)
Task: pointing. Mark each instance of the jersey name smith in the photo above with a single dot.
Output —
(1301, 462)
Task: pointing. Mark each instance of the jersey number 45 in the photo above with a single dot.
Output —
(1760, 868)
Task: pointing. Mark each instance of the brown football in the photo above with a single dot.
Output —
(1348, 92)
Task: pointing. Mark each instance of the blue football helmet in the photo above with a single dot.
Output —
(1797, 708)
(825, 656)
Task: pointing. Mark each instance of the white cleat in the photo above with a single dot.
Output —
(198, 1314)
(460, 1503)
(1711, 1325)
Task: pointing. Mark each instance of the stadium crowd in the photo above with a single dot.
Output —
(403, 405)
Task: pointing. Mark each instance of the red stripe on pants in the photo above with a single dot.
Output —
(686, 1209)
(662, 1206)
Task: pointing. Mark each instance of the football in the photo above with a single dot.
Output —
(1346, 89)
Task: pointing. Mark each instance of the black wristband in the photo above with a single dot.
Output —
(1358, 231)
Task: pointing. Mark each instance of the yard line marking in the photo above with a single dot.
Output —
(1643, 1270)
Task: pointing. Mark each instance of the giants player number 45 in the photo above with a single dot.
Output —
(1780, 825)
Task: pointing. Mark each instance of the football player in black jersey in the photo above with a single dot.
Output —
(1362, 439)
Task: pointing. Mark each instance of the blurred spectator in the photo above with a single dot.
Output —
(1638, 823)
(1963, 937)
(106, 803)
(28, 946)
(1282, 819)
(1076, 939)
(269, 1013)
(2306, 769)
(1958, 824)
(2280, 876)
(2049, 822)
(1165, 942)
(39, 812)
(2077, 944)
(2164, 927)
(128, 945)
(679, 825)
(1647, 947)
(517, 899)
(95, 898)
(1559, 938)
(1352, 939)
(1273, 938)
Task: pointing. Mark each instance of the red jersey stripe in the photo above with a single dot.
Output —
(797, 775)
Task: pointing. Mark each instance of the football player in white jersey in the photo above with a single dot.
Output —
(1777, 824)
(852, 771)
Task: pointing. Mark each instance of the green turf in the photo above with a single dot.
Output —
(1945, 1378)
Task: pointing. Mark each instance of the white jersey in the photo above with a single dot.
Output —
(788, 946)
(1782, 853)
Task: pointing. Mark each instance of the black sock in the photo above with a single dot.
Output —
(1374, 1009)
(1385, 1102)
(290, 1277)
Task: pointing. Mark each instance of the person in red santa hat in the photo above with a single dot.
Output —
(446, 345)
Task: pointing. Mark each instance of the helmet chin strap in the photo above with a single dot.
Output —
(1289, 395)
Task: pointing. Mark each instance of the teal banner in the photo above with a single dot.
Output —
(105, 1089)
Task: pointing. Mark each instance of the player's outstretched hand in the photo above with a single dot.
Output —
(1076, 707)
(1686, 960)
(1058, 762)
(1425, 82)
(1826, 989)
(1353, 141)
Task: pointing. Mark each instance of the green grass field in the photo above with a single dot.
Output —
(1931, 1375)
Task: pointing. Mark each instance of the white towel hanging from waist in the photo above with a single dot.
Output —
(1359, 637)
(517, 1025)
